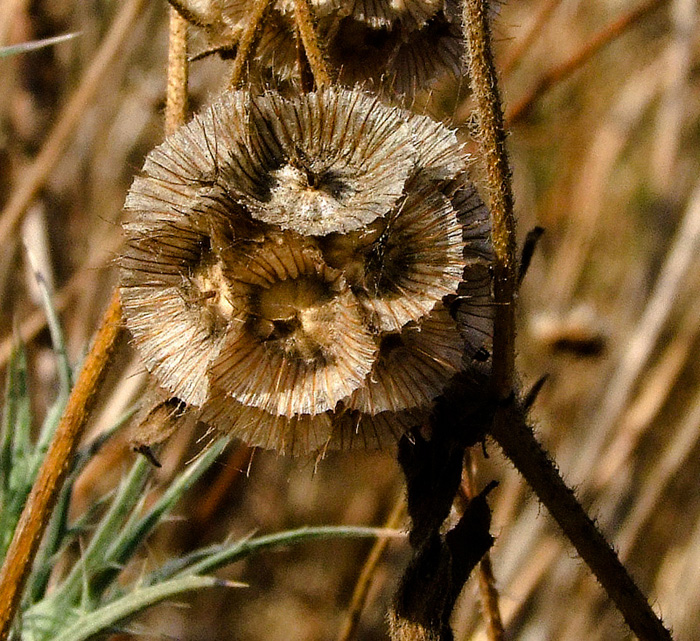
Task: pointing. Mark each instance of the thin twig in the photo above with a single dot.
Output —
(303, 17)
(176, 97)
(488, 593)
(54, 469)
(560, 73)
(364, 582)
(247, 41)
(520, 445)
(71, 115)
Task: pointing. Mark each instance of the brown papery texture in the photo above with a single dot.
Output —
(294, 267)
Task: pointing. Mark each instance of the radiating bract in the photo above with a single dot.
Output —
(307, 273)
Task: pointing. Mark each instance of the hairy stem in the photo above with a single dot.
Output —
(515, 437)
(54, 469)
(509, 426)
(492, 140)
(305, 24)
(247, 41)
(176, 92)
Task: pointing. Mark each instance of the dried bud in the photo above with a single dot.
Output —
(293, 268)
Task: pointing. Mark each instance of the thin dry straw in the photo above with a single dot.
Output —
(488, 593)
(588, 197)
(10, 9)
(537, 26)
(509, 427)
(367, 575)
(670, 117)
(675, 455)
(560, 73)
(91, 83)
(681, 256)
(658, 385)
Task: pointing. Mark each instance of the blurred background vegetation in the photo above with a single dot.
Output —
(603, 101)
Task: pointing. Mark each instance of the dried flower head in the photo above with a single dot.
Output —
(400, 46)
(306, 273)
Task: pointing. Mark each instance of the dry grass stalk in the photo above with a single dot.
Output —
(509, 428)
(57, 140)
(488, 593)
(593, 46)
(368, 572)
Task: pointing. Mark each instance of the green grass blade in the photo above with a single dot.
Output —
(132, 535)
(50, 625)
(220, 555)
(16, 449)
(96, 557)
(25, 47)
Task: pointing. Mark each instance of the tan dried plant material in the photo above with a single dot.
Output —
(294, 268)
(399, 46)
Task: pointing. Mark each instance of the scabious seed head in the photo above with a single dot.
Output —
(400, 46)
(307, 273)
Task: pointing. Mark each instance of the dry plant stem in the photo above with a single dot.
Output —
(364, 582)
(11, 8)
(34, 322)
(516, 56)
(247, 41)
(55, 466)
(305, 23)
(509, 426)
(492, 140)
(176, 99)
(71, 115)
(488, 592)
(37, 511)
(520, 445)
(596, 43)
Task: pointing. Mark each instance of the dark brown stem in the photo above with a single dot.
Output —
(54, 469)
(515, 437)
(560, 73)
(509, 426)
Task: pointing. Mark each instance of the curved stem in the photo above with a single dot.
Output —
(54, 469)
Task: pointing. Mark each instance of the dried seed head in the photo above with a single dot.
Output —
(294, 267)
(413, 366)
(327, 163)
(400, 57)
(397, 45)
